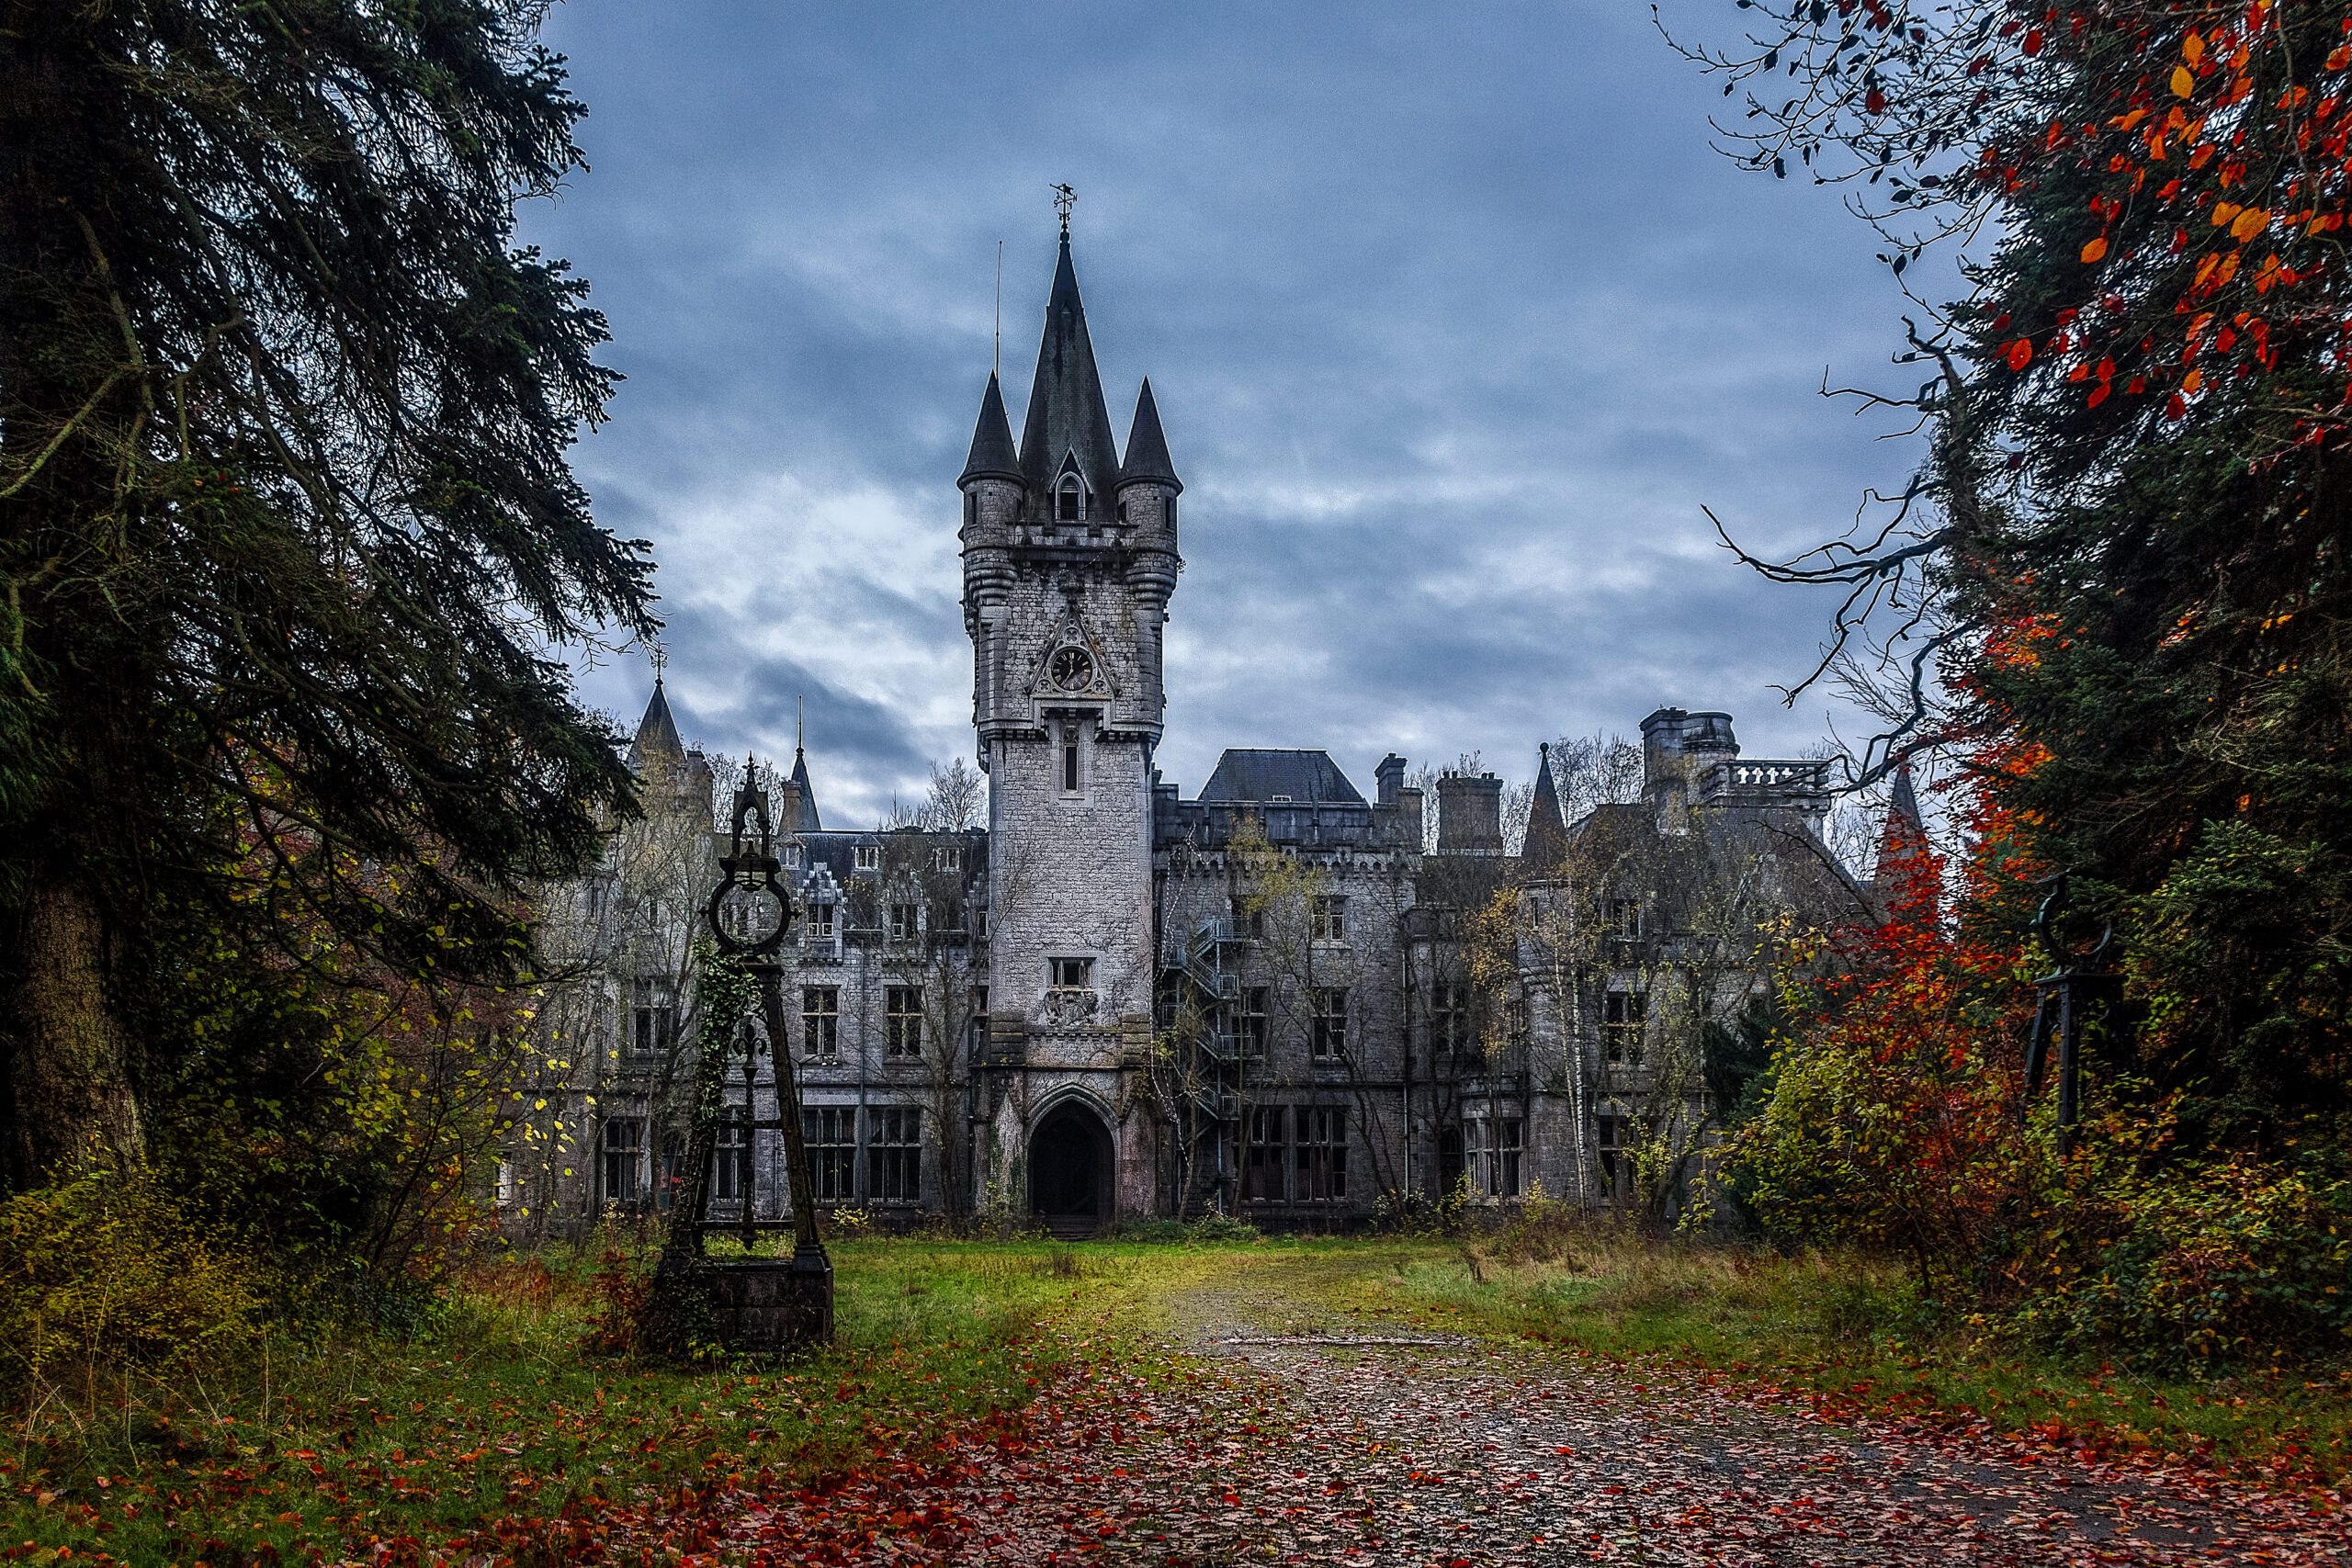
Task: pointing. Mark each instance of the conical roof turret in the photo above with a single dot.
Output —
(1147, 447)
(993, 456)
(657, 732)
(808, 821)
(1066, 417)
(1547, 833)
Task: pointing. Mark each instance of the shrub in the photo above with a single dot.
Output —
(2213, 1261)
(110, 1273)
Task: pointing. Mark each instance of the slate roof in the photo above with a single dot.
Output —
(1147, 447)
(992, 453)
(1065, 410)
(657, 731)
(1249, 773)
(809, 821)
(1547, 835)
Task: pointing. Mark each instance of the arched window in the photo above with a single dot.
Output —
(1069, 501)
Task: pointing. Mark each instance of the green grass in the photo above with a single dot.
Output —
(491, 1422)
(1845, 1331)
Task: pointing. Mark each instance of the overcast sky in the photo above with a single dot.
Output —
(1453, 318)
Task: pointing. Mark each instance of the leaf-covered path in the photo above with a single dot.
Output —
(1280, 1431)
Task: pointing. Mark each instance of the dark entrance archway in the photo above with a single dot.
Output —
(1070, 1171)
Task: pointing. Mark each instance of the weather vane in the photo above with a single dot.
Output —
(1064, 199)
(659, 658)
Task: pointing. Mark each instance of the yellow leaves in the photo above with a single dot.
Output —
(2183, 82)
(2224, 211)
(2250, 222)
(2095, 249)
(2126, 121)
(2192, 48)
(2193, 381)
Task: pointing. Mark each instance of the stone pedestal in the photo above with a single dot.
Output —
(771, 1304)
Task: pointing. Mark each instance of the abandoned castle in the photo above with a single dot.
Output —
(1276, 998)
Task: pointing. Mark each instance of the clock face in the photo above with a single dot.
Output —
(1071, 668)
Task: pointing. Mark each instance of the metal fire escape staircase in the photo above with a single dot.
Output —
(1210, 966)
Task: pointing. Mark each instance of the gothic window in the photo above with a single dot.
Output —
(1322, 1148)
(869, 857)
(906, 923)
(830, 1134)
(821, 1021)
(1624, 1012)
(624, 1156)
(1328, 1037)
(1069, 763)
(1122, 512)
(971, 507)
(1168, 511)
(654, 1017)
(976, 1022)
(1249, 919)
(1611, 1146)
(894, 1156)
(731, 1155)
(949, 857)
(902, 1021)
(1070, 500)
(979, 917)
(1450, 1018)
(1073, 974)
(670, 1174)
(1263, 1167)
(816, 923)
(1326, 918)
(1492, 1144)
(1253, 1024)
(1625, 918)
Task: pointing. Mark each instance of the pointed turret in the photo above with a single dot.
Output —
(1067, 423)
(805, 820)
(657, 732)
(1147, 461)
(1905, 877)
(993, 457)
(1547, 833)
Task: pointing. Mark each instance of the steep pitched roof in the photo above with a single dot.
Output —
(1249, 773)
(1547, 835)
(808, 822)
(1906, 871)
(1066, 411)
(657, 732)
(992, 453)
(1147, 447)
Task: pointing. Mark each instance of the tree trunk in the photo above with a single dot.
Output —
(75, 1103)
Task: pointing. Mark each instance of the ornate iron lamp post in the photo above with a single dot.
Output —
(759, 1304)
(2080, 991)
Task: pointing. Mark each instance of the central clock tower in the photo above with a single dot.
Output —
(1069, 558)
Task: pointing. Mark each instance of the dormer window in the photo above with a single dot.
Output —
(1070, 500)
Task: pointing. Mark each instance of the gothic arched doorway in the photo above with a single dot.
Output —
(1070, 1171)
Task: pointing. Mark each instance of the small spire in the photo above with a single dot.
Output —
(1547, 835)
(993, 457)
(1148, 459)
(657, 732)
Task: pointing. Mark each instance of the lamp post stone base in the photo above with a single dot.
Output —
(771, 1304)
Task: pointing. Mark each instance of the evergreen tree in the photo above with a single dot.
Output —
(2128, 548)
(285, 522)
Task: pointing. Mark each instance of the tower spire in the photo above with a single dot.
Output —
(1066, 421)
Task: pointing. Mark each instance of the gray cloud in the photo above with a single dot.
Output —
(1453, 318)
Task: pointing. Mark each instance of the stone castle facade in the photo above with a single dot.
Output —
(1278, 997)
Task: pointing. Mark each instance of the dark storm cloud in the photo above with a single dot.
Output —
(1453, 320)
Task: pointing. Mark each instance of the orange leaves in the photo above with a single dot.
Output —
(2340, 58)
(2249, 222)
(2095, 249)
(2019, 354)
(2184, 82)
